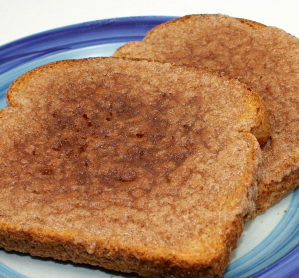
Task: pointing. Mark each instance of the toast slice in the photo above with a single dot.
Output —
(264, 58)
(132, 165)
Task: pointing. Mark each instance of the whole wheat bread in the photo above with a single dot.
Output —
(131, 165)
(264, 58)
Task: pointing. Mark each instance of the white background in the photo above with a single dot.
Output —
(20, 18)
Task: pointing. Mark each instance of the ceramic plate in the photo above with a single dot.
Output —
(269, 245)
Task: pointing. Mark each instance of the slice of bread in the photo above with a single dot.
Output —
(132, 165)
(264, 58)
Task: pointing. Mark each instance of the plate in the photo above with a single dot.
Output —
(269, 245)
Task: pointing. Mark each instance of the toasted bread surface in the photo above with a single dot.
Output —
(132, 165)
(265, 58)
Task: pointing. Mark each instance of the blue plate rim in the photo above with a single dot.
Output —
(79, 25)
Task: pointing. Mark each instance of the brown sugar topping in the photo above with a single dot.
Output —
(127, 138)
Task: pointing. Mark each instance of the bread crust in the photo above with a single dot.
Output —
(48, 243)
(257, 55)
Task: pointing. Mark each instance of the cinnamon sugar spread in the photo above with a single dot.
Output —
(136, 151)
(265, 58)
